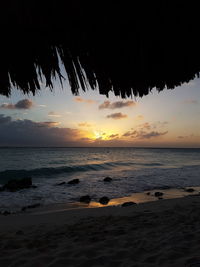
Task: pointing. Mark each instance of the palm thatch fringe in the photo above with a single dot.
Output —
(128, 48)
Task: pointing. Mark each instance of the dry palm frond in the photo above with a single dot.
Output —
(126, 48)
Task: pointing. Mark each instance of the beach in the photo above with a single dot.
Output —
(160, 233)
(44, 223)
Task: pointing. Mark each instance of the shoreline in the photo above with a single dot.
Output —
(137, 198)
(158, 233)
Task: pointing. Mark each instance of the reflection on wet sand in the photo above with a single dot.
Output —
(146, 196)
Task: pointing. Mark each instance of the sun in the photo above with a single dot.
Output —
(98, 135)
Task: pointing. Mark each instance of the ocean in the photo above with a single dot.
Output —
(132, 170)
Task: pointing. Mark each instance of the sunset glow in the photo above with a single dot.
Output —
(165, 119)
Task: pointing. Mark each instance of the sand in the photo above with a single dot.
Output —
(159, 233)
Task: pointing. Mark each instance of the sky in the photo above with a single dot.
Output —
(58, 118)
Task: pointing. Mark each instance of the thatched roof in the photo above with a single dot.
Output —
(125, 47)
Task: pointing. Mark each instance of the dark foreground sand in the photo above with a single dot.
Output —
(161, 233)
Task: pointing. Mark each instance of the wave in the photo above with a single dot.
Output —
(13, 174)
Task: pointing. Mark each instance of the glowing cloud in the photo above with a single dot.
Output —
(146, 131)
(49, 123)
(117, 116)
(31, 133)
(113, 136)
(85, 124)
(139, 117)
(144, 134)
(82, 100)
(117, 104)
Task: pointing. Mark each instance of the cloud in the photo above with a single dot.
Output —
(4, 119)
(82, 100)
(129, 133)
(117, 104)
(147, 130)
(85, 124)
(139, 134)
(160, 124)
(42, 106)
(113, 136)
(146, 126)
(53, 114)
(117, 116)
(48, 123)
(85, 139)
(153, 126)
(30, 133)
(139, 117)
(185, 136)
(22, 104)
(143, 135)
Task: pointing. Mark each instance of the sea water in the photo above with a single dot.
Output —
(132, 170)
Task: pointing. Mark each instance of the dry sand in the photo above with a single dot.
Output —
(161, 233)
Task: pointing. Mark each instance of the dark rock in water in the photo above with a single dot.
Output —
(104, 200)
(189, 190)
(127, 204)
(34, 206)
(15, 184)
(19, 232)
(158, 194)
(148, 193)
(31, 206)
(61, 183)
(74, 181)
(85, 199)
(107, 179)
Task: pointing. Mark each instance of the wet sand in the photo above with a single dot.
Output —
(159, 233)
(138, 198)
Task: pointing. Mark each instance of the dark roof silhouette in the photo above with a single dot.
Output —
(125, 46)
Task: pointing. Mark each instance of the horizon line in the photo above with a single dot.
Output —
(99, 147)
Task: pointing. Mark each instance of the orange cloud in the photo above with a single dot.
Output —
(113, 136)
(139, 117)
(145, 125)
(139, 134)
(49, 123)
(185, 136)
(85, 124)
(117, 116)
(146, 130)
(148, 126)
(117, 104)
(82, 100)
